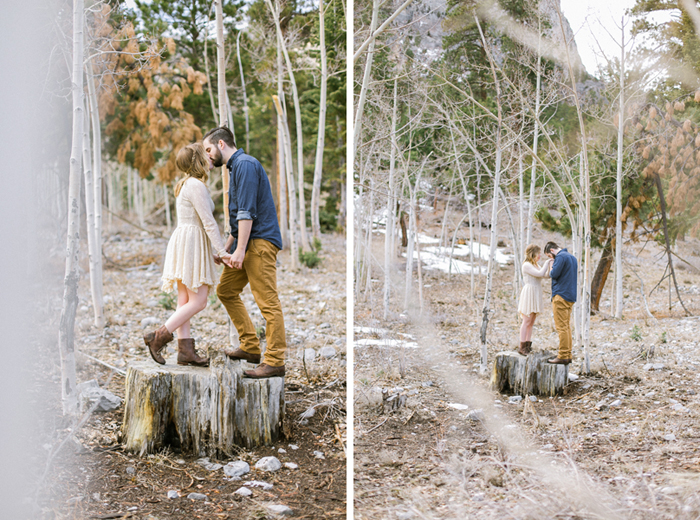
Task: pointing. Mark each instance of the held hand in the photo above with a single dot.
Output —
(237, 259)
(217, 259)
(226, 260)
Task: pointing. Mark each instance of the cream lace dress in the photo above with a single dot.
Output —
(189, 257)
(531, 294)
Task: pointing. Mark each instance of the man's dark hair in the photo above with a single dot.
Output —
(221, 133)
(550, 246)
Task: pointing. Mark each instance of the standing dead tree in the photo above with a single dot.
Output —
(66, 330)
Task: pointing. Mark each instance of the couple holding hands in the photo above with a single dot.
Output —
(249, 255)
(561, 267)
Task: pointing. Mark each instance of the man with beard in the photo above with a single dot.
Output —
(254, 242)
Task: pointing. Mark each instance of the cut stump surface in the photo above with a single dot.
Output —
(201, 411)
(514, 373)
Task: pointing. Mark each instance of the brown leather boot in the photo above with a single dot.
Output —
(522, 349)
(156, 342)
(239, 353)
(528, 347)
(558, 361)
(263, 371)
(187, 356)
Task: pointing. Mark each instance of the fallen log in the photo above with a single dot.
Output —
(200, 411)
(532, 375)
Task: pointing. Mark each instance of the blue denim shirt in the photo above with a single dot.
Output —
(564, 275)
(250, 198)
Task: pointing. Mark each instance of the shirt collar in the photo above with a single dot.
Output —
(231, 160)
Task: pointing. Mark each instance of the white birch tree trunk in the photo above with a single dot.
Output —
(390, 208)
(618, 203)
(357, 127)
(493, 239)
(93, 255)
(535, 140)
(96, 260)
(294, 248)
(587, 212)
(521, 205)
(221, 94)
(297, 114)
(286, 218)
(66, 330)
(320, 141)
(245, 93)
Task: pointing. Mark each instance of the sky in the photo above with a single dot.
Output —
(589, 20)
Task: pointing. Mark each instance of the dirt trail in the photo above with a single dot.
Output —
(621, 442)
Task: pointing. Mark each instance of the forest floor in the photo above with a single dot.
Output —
(432, 441)
(89, 473)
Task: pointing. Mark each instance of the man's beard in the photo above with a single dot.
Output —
(218, 160)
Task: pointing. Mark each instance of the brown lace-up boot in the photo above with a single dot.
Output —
(528, 347)
(187, 356)
(522, 349)
(156, 342)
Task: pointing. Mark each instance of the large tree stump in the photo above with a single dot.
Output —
(201, 411)
(531, 375)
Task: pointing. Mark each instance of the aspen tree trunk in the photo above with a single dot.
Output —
(282, 185)
(521, 205)
(359, 111)
(320, 142)
(390, 208)
(300, 138)
(245, 94)
(587, 212)
(535, 139)
(494, 210)
(96, 260)
(469, 213)
(66, 328)
(206, 69)
(294, 249)
(221, 93)
(409, 252)
(93, 254)
(618, 202)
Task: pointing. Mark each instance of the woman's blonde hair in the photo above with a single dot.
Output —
(531, 252)
(193, 162)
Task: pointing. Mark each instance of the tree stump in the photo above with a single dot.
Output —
(200, 411)
(531, 375)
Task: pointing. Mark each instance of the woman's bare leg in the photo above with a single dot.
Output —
(189, 303)
(526, 327)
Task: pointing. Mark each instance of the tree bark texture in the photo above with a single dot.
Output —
(66, 329)
(321, 139)
(201, 411)
(601, 275)
(531, 375)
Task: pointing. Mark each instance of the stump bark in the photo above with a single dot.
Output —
(200, 411)
(531, 375)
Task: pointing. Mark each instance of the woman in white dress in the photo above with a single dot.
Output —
(530, 303)
(189, 260)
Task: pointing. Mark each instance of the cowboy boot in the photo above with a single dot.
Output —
(187, 356)
(156, 342)
(522, 349)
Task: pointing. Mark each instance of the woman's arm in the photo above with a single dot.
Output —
(542, 272)
(199, 196)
